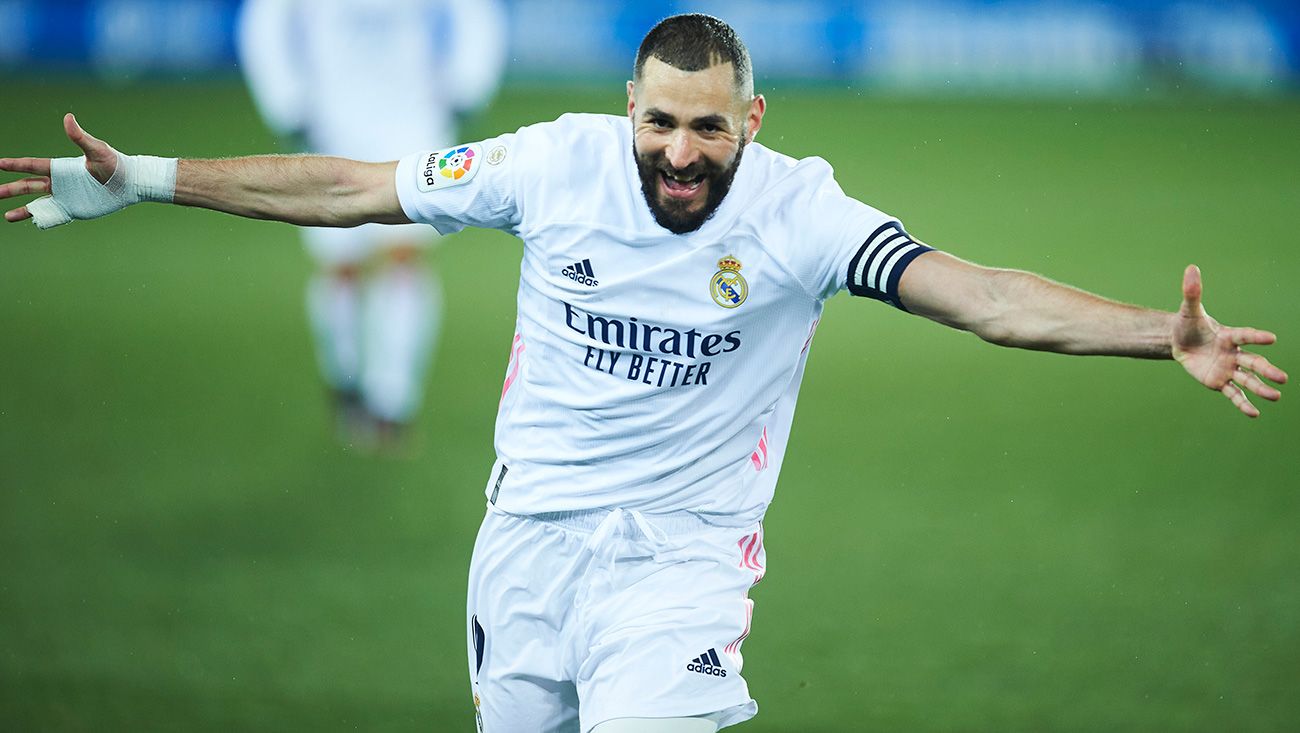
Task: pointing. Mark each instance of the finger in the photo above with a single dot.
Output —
(1242, 336)
(24, 187)
(1253, 383)
(39, 166)
(18, 214)
(1192, 289)
(1261, 366)
(88, 143)
(1238, 398)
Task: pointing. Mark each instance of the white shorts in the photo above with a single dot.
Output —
(583, 617)
(331, 247)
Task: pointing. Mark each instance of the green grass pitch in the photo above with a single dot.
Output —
(965, 538)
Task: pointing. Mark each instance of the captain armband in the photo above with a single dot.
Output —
(77, 195)
(878, 264)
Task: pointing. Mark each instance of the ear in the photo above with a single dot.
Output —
(631, 101)
(754, 119)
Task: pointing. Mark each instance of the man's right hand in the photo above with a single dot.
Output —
(92, 185)
(101, 162)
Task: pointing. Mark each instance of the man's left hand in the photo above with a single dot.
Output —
(1212, 353)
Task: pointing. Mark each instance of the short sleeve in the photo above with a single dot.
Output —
(858, 247)
(877, 265)
(474, 185)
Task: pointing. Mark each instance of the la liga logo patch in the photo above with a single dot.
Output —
(451, 167)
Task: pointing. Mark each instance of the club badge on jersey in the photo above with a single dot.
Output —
(450, 167)
(727, 285)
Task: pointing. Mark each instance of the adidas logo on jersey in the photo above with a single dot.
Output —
(581, 272)
(707, 663)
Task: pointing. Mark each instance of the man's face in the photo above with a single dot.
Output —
(689, 129)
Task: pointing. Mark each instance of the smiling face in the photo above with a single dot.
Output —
(689, 130)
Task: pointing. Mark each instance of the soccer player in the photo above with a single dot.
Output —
(673, 274)
(318, 71)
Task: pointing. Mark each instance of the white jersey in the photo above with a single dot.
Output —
(650, 370)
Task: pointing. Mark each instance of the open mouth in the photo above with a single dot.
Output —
(679, 186)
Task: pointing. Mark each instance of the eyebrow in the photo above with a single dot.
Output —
(716, 120)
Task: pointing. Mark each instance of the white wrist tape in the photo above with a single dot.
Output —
(77, 195)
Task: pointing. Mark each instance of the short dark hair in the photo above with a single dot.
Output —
(694, 42)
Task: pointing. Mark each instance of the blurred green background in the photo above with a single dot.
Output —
(965, 538)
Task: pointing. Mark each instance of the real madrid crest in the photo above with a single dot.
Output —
(727, 285)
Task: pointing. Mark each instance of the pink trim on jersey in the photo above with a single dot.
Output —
(811, 332)
(516, 354)
(759, 457)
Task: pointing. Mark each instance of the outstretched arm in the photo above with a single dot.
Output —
(1020, 309)
(307, 190)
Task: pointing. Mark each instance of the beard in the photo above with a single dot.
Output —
(673, 214)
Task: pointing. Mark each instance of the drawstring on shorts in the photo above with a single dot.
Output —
(610, 540)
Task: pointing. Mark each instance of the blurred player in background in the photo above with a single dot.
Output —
(371, 80)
